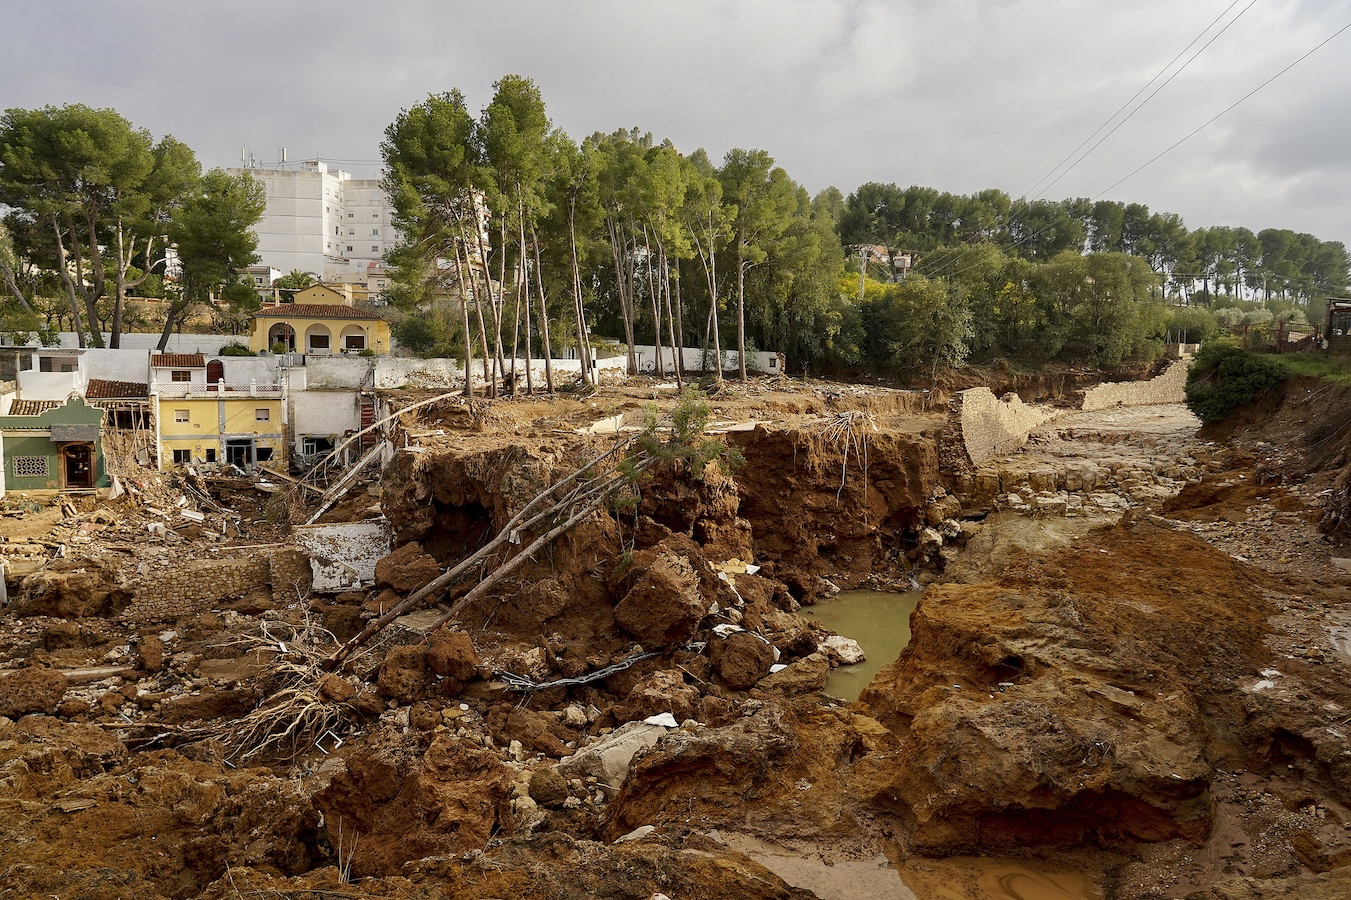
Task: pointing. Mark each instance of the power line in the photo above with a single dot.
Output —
(1143, 88)
(1176, 144)
(1151, 96)
(1226, 110)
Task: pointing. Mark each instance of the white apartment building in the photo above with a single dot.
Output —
(322, 221)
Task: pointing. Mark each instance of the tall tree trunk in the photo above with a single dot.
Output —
(618, 249)
(12, 283)
(543, 315)
(464, 324)
(499, 364)
(679, 321)
(664, 286)
(63, 269)
(583, 347)
(522, 262)
(741, 310)
(463, 245)
(659, 365)
(94, 292)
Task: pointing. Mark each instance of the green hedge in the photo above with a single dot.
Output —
(1224, 377)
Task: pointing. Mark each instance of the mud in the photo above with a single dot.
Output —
(1127, 677)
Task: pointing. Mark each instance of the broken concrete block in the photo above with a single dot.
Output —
(607, 760)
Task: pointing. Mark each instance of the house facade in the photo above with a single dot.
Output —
(322, 321)
(52, 445)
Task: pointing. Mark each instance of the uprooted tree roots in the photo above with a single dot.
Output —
(295, 714)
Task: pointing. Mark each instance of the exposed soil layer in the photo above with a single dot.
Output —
(1151, 704)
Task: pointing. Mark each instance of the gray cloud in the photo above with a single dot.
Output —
(960, 95)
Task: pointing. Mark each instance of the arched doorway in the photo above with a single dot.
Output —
(281, 333)
(215, 374)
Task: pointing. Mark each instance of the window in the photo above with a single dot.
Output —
(354, 342)
(262, 454)
(351, 215)
(349, 248)
(351, 232)
(211, 455)
(180, 375)
(375, 232)
(375, 215)
(182, 457)
(30, 467)
(261, 415)
(318, 342)
(181, 415)
(50, 364)
(773, 362)
(375, 247)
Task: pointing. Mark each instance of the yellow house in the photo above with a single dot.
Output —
(320, 322)
(209, 421)
(243, 430)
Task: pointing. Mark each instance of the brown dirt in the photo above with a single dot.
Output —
(1156, 708)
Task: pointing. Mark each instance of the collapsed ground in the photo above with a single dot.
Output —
(1129, 669)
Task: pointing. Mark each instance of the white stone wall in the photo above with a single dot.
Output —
(992, 426)
(1168, 386)
(324, 413)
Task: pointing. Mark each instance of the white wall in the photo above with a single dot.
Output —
(693, 360)
(324, 413)
(178, 343)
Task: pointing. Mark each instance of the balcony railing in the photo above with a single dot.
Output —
(216, 390)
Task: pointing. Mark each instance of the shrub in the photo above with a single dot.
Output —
(235, 348)
(1224, 377)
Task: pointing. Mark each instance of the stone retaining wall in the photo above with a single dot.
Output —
(982, 426)
(1166, 387)
(196, 587)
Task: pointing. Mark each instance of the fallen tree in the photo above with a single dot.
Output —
(678, 437)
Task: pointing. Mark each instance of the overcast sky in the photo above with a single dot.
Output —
(956, 94)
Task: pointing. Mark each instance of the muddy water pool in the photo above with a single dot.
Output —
(879, 621)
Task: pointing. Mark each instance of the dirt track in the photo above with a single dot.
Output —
(1147, 706)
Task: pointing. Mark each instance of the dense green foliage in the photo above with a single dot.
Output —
(92, 203)
(519, 241)
(1224, 377)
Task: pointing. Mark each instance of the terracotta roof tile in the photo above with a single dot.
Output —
(177, 361)
(314, 311)
(31, 407)
(103, 389)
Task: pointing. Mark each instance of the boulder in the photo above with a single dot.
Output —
(451, 655)
(32, 690)
(741, 659)
(547, 787)
(844, 651)
(406, 569)
(151, 650)
(664, 691)
(404, 675)
(664, 607)
(803, 676)
(71, 589)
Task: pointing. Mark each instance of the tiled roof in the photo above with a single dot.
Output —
(58, 351)
(103, 389)
(177, 361)
(31, 407)
(314, 311)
